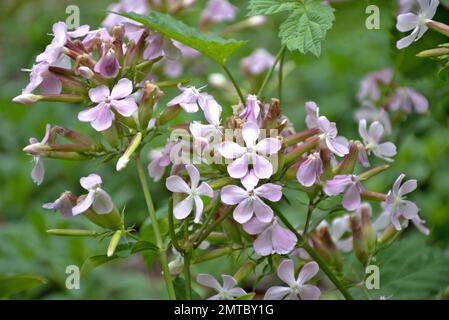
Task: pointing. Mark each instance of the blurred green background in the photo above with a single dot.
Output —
(349, 52)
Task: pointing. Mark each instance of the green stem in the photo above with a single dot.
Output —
(309, 217)
(207, 220)
(234, 82)
(187, 277)
(315, 256)
(212, 227)
(171, 226)
(157, 233)
(270, 72)
(280, 76)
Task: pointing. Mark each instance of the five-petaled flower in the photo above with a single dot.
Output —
(227, 291)
(100, 201)
(296, 287)
(251, 154)
(249, 200)
(194, 192)
(272, 238)
(119, 99)
(350, 185)
(416, 22)
(371, 139)
(310, 170)
(38, 172)
(397, 206)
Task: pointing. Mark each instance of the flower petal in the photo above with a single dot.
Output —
(286, 272)
(268, 146)
(263, 212)
(231, 150)
(239, 167)
(85, 204)
(122, 89)
(270, 191)
(255, 226)
(102, 202)
(351, 199)
(263, 169)
(177, 184)
(307, 272)
(309, 292)
(250, 133)
(228, 282)
(233, 195)
(38, 172)
(91, 181)
(407, 22)
(99, 94)
(407, 187)
(125, 107)
(183, 208)
(276, 293)
(205, 190)
(198, 209)
(194, 175)
(244, 211)
(284, 241)
(208, 281)
(263, 245)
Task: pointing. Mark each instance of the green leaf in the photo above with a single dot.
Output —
(409, 269)
(122, 251)
(306, 27)
(266, 7)
(248, 296)
(180, 290)
(10, 285)
(214, 47)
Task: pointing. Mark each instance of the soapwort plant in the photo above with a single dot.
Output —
(228, 176)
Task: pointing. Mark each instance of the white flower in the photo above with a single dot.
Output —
(416, 22)
(227, 291)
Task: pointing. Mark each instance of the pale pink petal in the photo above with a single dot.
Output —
(376, 130)
(307, 272)
(233, 195)
(239, 167)
(286, 272)
(205, 190)
(90, 182)
(407, 187)
(284, 241)
(407, 22)
(38, 172)
(103, 119)
(337, 185)
(177, 184)
(270, 191)
(409, 209)
(263, 169)
(208, 281)
(254, 226)
(276, 293)
(122, 89)
(125, 107)
(406, 41)
(198, 209)
(309, 292)
(351, 199)
(102, 202)
(250, 180)
(231, 150)
(243, 212)
(250, 133)
(268, 146)
(85, 204)
(228, 282)
(183, 208)
(263, 244)
(90, 114)
(194, 175)
(263, 212)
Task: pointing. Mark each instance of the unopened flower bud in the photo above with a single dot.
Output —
(347, 165)
(272, 115)
(298, 151)
(372, 172)
(85, 72)
(432, 53)
(36, 149)
(300, 136)
(114, 242)
(168, 114)
(132, 147)
(150, 95)
(218, 80)
(27, 98)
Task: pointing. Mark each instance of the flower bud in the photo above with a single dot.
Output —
(371, 195)
(27, 98)
(372, 172)
(73, 232)
(168, 114)
(114, 242)
(36, 149)
(272, 115)
(150, 95)
(432, 53)
(75, 136)
(363, 236)
(176, 266)
(245, 270)
(132, 147)
(326, 247)
(347, 165)
(85, 72)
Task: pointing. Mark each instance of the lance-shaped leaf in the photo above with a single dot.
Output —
(10, 285)
(214, 47)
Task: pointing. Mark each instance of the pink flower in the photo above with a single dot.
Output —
(350, 185)
(249, 200)
(204, 136)
(371, 113)
(369, 86)
(101, 115)
(416, 22)
(38, 172)
(253, 153)
(310, 170)
(159, 160)
(64, 204)
(371, 139)
(259, 61)
(337, 144)
(108, 65)
(296, 287)
(100, 201)
(408, 99)
(191, 98)
(272, 238)
(159, 46)
(137, 6)
(227, 291)
(219, 10)
(194, 192)
(252, 111)
(396, 205)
